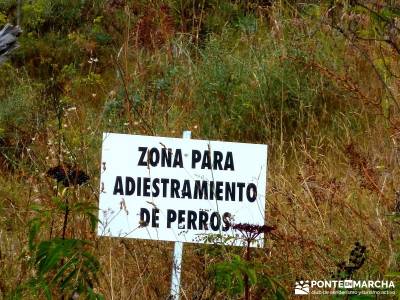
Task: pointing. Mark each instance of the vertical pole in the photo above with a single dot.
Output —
(19, 12)
(177, 260)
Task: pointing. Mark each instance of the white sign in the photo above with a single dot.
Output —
(180, 189)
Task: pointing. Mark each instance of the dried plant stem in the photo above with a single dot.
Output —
(246, 277)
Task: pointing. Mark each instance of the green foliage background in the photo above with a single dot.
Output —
(308, 78)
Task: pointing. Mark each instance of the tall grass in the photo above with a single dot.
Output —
(280, 74)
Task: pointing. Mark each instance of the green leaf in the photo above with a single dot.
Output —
(68, 278)
(49, 255)
(94, 296)
(33, 231)
(3, 18)
(47, 291)
(230, 275)
(389, 13)
(251, 272)
(70, 264)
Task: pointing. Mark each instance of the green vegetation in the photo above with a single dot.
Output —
(318, 81)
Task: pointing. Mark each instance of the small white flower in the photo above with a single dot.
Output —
(93, 60)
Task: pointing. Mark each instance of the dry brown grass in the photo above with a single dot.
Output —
(332, 175)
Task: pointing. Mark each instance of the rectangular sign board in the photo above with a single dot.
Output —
(183, 190)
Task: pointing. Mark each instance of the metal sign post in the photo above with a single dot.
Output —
(178, 250)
